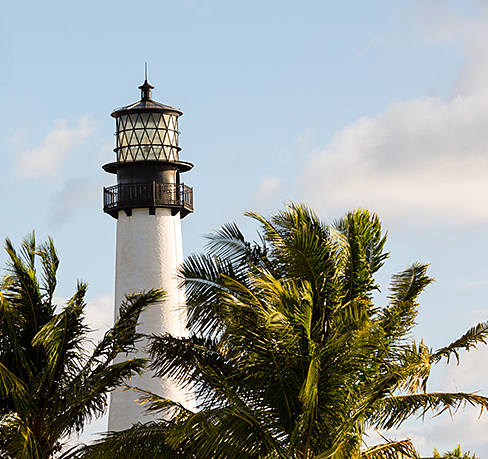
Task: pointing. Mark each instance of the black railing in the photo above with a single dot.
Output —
(127, 196)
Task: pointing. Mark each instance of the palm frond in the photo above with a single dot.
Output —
(299, 241)
(398, 449)
(391, 412)
(122, 336)
(141, 441)
(21, 441)
(362, 246)
(229, 243)
(50, 262)
(12, 386)
(407, 285)
(469, 340)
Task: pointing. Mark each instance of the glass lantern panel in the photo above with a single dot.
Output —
(167, 156)
(172, 133)
(153, 121)
(145, 119)
(155, 152)
(166, 117)
(129, 121)
(152, 135)
(121, 123)
(168, 153)
(157, 137)
(136, 137)
(171, 123)
(159, 121)
(131, 137)
(145, 141)
(122, 139)
(136, 121)
(139, 154)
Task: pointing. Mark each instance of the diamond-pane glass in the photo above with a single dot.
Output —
(147, 136)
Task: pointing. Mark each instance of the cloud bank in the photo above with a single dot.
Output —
(421, 161)
(45, 159)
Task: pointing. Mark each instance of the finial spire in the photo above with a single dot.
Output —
(146, 87)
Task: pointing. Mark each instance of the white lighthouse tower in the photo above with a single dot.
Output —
(148, 202)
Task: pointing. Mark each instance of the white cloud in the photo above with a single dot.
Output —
(76, 195)
(425, 159)
(45, 159)
(470, 375)
(445, 432)
(452, 22)
(421, 161)
(269, 188)
(100, 315)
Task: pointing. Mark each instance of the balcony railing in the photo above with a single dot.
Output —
(128, 196)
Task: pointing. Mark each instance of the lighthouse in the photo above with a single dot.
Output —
(148, 202)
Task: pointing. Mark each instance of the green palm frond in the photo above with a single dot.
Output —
(391, 412)
(300, 243)
(407, 285)
(49, 386)
(167, 408)
(228, 243)
(226, 432)
(203, 284)
(62, 339)
(50, 263)
(398, 319)
(414, 365)
(470, 339)
(21, 441)
(455, 453)
(142, 441)
(362, 244)
(399, 449)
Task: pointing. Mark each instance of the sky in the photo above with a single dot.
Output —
(340, 105)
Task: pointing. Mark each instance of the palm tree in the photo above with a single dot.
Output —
(288, 354)
(49, 386)
(456, 453)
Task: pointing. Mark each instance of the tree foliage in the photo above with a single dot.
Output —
(288, 354)
(49, 386)
(455, 453)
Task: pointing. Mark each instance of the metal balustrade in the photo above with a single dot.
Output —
(128, 196)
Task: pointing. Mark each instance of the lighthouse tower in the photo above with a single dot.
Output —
(148, 201)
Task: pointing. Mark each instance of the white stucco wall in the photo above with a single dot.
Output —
(149, 251)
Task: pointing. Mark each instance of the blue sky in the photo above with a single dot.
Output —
(379, 104)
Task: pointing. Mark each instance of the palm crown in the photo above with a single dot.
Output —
(288, 355)
(49, 386)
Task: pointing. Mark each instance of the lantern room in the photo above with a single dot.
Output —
(147, 130)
